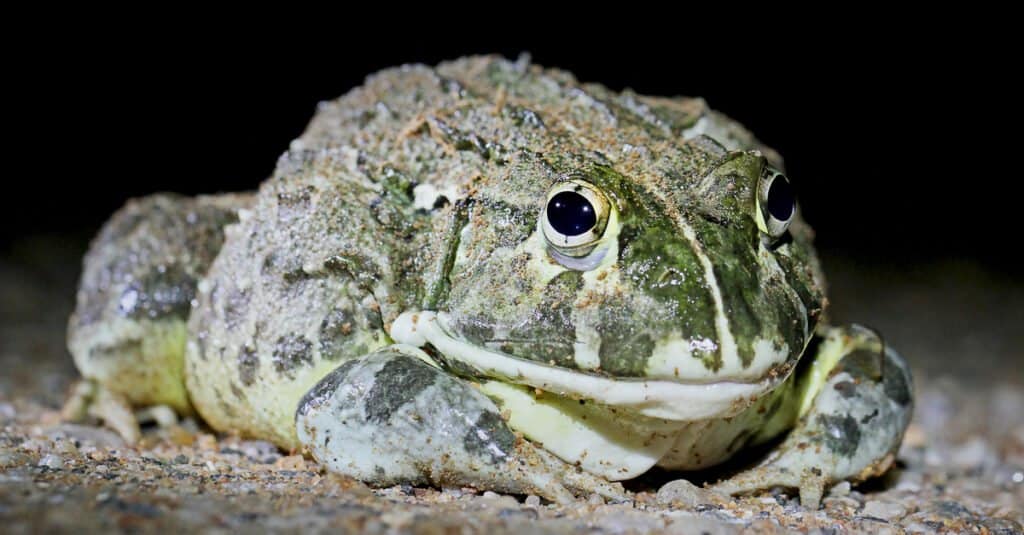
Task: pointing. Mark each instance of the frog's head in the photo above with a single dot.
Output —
(637, 271)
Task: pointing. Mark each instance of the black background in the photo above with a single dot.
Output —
(902, 149)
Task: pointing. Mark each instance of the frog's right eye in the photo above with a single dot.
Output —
(776, 203)
(575, 217)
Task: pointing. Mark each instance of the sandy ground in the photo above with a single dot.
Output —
(961, 468)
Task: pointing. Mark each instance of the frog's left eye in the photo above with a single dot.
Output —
(574, 218)
(776, 203)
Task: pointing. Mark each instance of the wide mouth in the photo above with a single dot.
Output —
(656, 398)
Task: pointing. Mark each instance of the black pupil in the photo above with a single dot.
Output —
(780, 199)
(571, 213)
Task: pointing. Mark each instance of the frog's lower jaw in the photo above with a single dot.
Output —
(668, 400)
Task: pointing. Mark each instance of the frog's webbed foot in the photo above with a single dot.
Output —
(856, 404)
(391, 417)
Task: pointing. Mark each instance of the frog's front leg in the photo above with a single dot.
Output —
(855, 404)
(393, 417)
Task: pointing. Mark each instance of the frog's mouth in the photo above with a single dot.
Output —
(657, 398)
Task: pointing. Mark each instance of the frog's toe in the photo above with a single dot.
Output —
(852, 427)
(393, 417)
(90, 399)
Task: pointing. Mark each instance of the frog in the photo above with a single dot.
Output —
(488, 274)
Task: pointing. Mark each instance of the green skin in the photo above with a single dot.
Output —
(424, 191)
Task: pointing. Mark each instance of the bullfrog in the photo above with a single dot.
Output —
(489, 274)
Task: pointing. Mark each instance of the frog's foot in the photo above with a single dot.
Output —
(856, 404)
(91, 399)
(393, 417)
(161, 415)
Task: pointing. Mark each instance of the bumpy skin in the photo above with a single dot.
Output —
(136, 294)
(421, 191)
(852, 427)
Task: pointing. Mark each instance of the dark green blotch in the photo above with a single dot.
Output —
(749, 305)
(549, 333)
(398, 382)
(290, 352)
(662, 265)
(896, 381)
(740, 440)
(335, 329)
(795, 263)
(398, 185)
(841, 434)
(863, 364)
(235, 307)
(439, 290)
(164, 292)
(248, 365)
(624, 353)
(490, 438)
(355, 266)
(477, 331)
(846, 389)
(283, 265)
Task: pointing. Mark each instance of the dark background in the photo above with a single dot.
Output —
(902, 149)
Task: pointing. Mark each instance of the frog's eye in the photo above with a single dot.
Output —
(574, 218)
(776, 203)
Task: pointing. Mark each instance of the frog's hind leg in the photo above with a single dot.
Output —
(855, 406)
(393, 417)
(127, 334)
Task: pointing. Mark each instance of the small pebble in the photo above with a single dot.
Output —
(497, 501)
(840, 489)
(54, 462)
(683, 492)
(532, 501)
(595, 499)
(181, 459)
(206, 442)
(884, 510)
(290, 462)
(67, 447)
(841, 502)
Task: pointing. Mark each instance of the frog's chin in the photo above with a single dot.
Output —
(656, 398)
